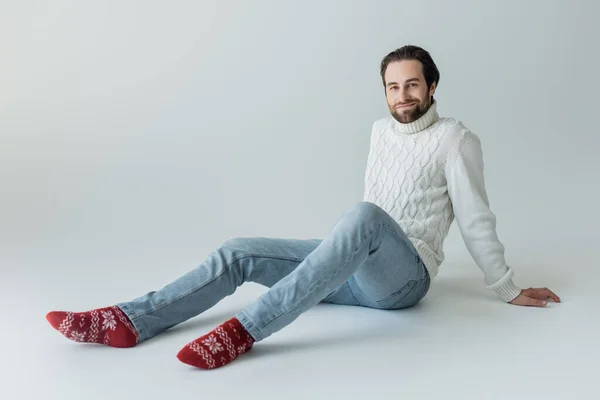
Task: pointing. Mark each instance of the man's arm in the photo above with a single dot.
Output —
(477, 223)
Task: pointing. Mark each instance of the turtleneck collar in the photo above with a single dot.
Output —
(426, 120)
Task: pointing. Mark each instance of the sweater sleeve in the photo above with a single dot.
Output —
(477, 223)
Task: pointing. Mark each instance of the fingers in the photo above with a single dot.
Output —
(535, 302)
(529, 301)
(545, 293)
(535, 297)
(553, 296)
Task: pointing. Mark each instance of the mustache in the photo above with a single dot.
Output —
(406, 102)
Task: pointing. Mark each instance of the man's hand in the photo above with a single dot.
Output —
(536, 297)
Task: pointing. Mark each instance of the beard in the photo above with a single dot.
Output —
(410, 114)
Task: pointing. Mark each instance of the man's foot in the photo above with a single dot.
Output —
(219, 347)
(109, 326)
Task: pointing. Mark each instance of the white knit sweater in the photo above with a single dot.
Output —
(427, 173)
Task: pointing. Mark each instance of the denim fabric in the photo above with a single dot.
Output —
(366, 260)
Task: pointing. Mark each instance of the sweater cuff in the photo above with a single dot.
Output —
(505, 287)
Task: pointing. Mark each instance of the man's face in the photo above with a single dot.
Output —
(406, 90)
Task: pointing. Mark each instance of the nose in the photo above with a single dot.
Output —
(404, 97)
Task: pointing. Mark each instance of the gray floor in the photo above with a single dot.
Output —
(459, 343)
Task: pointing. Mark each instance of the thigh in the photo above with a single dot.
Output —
(268, 260)
(393, 275)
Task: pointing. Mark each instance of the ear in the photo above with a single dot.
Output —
(432, 89)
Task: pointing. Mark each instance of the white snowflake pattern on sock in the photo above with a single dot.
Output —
(78, 336)
(109, 321)
(212, 344)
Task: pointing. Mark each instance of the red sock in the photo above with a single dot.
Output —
(219, 347)
(109, 326)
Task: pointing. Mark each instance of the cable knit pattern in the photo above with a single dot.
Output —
(427, 173)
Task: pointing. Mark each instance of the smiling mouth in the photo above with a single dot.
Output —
(405, 105)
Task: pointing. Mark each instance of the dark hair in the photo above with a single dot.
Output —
(409, 52)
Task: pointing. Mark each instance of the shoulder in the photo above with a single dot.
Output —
(463, 144)
(382, 124)
(457, 133)
(453, 128)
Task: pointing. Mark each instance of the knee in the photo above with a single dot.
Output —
(232, 243)
(233, 247)
(369, 212)
(239, 246)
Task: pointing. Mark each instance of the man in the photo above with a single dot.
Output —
(422, 172)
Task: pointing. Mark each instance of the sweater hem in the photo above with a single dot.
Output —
(504, 288)
(428, 257)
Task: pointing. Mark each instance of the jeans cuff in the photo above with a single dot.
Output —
(249, 326)
(139, 327)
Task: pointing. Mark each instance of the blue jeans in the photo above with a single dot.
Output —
(366, 260)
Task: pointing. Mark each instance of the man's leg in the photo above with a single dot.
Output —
(261, 260)
(354, 246)
(366, 249)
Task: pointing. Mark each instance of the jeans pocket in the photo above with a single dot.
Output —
(408, 296)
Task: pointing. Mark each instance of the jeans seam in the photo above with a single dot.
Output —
(411, 281)
(353, 295)
(416, 282)
(377, 229)
(211, 280)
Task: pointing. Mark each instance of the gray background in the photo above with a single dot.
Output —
(136, 136)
